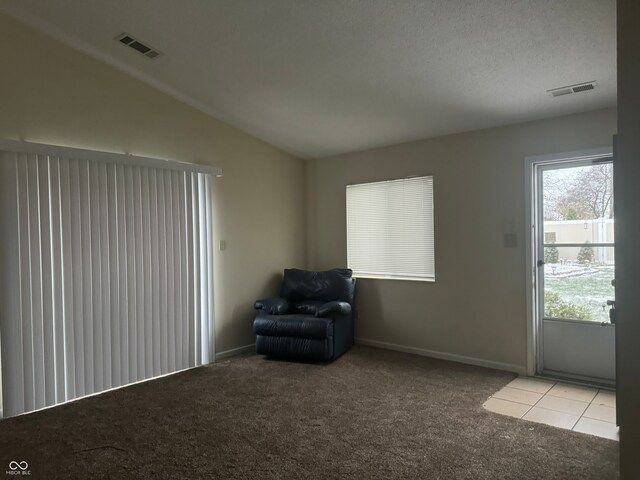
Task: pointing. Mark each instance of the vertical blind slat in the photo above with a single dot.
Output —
(77, 278)
(184, 309)
(37, 304)
(155, 272)
(209, 249)
(189, 242)
(140, 275)
(87, 275)
(131, 275)
(162, 254)
(36, 282)
(114, 274)
(12, 348)
(105, 275)
(196, 270)
(67, 279)
(146, 270)
(25, 287)
(55, 216)
(10, 287)
(171, 360)
(177, 303)
(204, 278)
(46, 286)
(123, 275)
(96, 278)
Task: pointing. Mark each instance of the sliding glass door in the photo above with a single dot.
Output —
(106, 275)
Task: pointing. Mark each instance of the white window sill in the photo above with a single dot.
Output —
(384, 277)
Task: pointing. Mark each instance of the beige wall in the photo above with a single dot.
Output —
(50, 93)
(476, 307)
(627, 202)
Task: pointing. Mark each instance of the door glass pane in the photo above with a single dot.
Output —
(578, 204)
(577, 282)
(578, 208)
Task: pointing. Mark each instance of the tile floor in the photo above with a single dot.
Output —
(581, 409)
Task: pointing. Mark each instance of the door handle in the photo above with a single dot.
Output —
(540, 263)
(612, 311)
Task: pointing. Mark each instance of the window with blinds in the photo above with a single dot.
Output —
(390, 229)
(106, 276)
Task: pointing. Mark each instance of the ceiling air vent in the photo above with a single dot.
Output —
(140, 47)
(580, 87)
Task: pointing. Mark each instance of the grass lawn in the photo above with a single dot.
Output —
(587, 286)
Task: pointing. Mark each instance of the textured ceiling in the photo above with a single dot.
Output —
(322, 77)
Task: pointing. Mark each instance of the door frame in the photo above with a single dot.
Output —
(534, 345)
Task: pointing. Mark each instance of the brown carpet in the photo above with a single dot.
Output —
(372, 414)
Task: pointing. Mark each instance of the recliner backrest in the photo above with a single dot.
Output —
(329, 285)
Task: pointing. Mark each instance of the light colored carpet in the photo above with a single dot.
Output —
(372, 414)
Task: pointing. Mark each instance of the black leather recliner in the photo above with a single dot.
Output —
(312, 319)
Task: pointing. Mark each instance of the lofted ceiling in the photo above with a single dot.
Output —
(324, 77)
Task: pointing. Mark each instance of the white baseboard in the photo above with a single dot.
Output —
(519, 369)
(236, 351)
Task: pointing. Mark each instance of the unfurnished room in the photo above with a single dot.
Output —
(320, 239)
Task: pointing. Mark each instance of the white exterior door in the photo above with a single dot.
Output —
(574, 262)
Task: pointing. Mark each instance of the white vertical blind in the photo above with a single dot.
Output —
(390, 228)
(106, 275)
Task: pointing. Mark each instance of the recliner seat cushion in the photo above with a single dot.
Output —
(300, 326)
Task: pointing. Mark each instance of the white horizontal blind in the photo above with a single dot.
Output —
(390, 228)
(106, 276)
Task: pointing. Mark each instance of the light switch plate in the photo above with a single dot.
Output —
(510, 240)
(223, 245)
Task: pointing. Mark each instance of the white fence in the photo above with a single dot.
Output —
(581, 231)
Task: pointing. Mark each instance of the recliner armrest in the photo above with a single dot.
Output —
(329, 308)
(273, 306)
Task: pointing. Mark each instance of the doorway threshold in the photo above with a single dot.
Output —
(577, 380)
